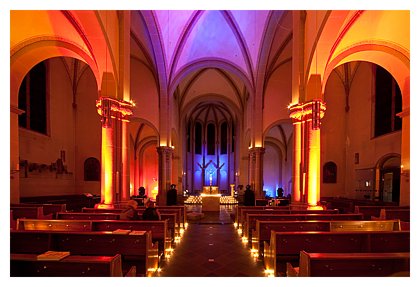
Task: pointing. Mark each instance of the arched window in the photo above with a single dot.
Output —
(33, 99)
(92, 169)
(330, 172)
(198, 135)
(233, 138)
(211, 139)
(223, 139)
(189, 136)
(388, 103)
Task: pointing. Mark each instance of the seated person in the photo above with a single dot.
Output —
(151, 213)
(130, 212)
(142, 192)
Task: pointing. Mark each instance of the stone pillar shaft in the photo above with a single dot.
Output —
(307, 116)
(256, 167)
(164, 173)
(113, 113)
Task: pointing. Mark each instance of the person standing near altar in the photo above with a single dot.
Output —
(171, 196)
(249, 196)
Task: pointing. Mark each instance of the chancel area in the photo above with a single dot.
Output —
(262, 143)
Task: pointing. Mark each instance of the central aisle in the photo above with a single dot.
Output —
(211, 247)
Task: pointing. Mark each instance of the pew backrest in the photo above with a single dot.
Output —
(87, 216)
(285, 246)
(24, 265)
(54, 224)
(29, 212)
(158, 228)
(353, 264)
(135, 249)
(250, 222)
(48, 208)
(374, 210)
(401, 214)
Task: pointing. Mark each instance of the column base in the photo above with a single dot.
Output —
(315, 207)
(305, 206)
(104, 206)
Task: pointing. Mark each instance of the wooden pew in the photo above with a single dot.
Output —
(240, 209)
(245, 213)
(158, 228)
(262, 232)
(171, 216)
(13, 222)
(374, 211)
(250, 222)
(27, 265)
(178, 209)
(351, 265)
(54, 225)
(87, 216)
(29, 212)
(48, 208)
(401, 214)
(285, 246)
(135, 249)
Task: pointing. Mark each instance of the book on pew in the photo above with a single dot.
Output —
(53, 255)
(137, 232)
(121, 231)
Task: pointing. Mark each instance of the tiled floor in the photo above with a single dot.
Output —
(211, 247)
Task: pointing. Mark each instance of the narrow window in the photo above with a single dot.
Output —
(92, 169)
(330, 172)
(223, 140)
(33, 100)
(388, 103)
(198, 138)
(211, 139)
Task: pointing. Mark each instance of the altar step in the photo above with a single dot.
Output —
(197, 199)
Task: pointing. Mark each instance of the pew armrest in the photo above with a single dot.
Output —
(131, 272)
(291, 271)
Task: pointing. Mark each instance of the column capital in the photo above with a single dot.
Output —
(164, 149)
(110, 108)
(256, 150)
(309, 111)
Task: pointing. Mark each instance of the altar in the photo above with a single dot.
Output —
(210, 202)
(210, 198)
(210, 189)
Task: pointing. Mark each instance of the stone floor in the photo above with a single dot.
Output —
(211, 247)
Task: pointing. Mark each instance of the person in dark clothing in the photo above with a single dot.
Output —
(130, 212)
(171, 197)
(280, 192)
(142, 192)
(151, 213)
(249, 196)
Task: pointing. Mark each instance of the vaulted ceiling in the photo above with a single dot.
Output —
(219, 56)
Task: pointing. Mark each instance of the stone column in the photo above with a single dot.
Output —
(256, 156)
(164, 173)
(296, 158)
(405, 158)
(14, 154)
(111, 111)
(307, 115)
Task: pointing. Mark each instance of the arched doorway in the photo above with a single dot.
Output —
(389, 173)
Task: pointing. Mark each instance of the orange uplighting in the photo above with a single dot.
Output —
(107, 154)
(308, 114)
(118, 109)
(314, 167)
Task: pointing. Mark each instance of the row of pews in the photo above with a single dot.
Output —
(96, 241)
(292, 241)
